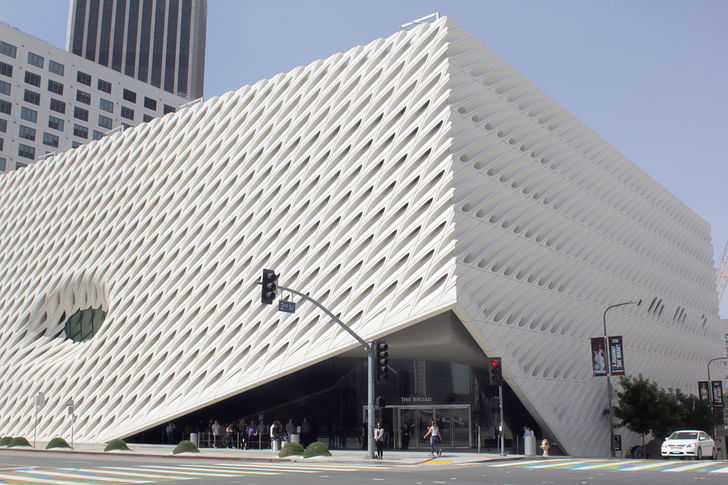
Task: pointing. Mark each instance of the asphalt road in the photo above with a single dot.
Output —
(56, 468)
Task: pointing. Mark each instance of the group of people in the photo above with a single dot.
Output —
(242, 434)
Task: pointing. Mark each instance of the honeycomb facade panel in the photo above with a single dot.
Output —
(398, 181)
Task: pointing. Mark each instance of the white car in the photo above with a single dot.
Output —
(690, 443)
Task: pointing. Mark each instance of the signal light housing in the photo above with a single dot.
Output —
(382, 361)
(269, 287)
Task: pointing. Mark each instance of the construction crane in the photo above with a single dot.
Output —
(721, 274)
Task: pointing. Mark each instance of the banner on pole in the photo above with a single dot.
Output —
(599, 358)
(616, 356)
(717, 394)
(704, 390)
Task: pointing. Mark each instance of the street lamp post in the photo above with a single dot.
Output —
(609, 372)
(710, 392)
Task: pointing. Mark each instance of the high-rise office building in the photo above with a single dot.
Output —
(52, 101)
(160, 42)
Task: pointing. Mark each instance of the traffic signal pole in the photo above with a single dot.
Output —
(370, 348)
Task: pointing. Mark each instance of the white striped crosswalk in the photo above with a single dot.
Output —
(157, 473)
(671, 466)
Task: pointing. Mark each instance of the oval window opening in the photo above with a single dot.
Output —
(84, 324)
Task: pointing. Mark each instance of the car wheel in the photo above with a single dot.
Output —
(699, 456)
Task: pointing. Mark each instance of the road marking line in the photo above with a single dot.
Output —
(560, 464)
(683, 468)
(31, 479)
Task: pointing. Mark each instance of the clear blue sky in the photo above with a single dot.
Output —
(650, 77)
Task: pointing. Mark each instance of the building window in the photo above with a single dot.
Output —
(3, 125)
(57, 105)
(35, 60)
(97, 135)
(50, 140)
(6, 107)
(84, 324)
(80, 131)
(2, 144)
(150, 103)
(31, 97)
(127, 113)
(2, 164)
(129, 95)
(76, 144)
(105, 122)
(104, 86)
(80, 113)
(83, 78)
(4, 88)
(25, 151)
(32, 78)
(56, 67)
(55, 87)
(6, 69)
(106, 105)
(28, 114)
(148, 118)
(26, 132)
(83, 97)
(168, 109)
(19, 165)
(8, 49)
(55, 123)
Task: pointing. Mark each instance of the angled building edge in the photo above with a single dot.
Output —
(411, 184)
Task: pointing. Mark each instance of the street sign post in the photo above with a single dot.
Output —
(286, 306)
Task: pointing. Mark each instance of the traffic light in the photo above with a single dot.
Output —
(496, 370)
(382, 361)
(269, 287)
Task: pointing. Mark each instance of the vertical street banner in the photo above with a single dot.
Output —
(704, 390)
(599, 358)
(616, 356)
(717, 394)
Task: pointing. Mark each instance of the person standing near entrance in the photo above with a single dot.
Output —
(406, 435)
(434, 433)
(379, 440)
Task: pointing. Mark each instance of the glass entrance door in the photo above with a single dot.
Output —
(453, 420)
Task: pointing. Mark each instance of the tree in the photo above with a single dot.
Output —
(645, 408)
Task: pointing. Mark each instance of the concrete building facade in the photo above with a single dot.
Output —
(418, 186)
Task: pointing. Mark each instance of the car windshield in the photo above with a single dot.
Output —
(683, 435)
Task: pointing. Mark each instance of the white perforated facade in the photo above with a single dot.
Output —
(400, 180)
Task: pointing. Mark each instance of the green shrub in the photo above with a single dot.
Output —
(57, 442)
(185, 446)
(5, 440)
(290, 449)
(18, 441)
(116, 444)
(316, 449)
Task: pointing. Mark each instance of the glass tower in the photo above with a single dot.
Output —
(160, 42)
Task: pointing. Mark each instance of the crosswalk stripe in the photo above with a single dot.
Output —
(560, 464)
(17, 478)
(720, 470)
(516, 463)
(683, 468)
(299, 466)
(150, 474)
(87, 474)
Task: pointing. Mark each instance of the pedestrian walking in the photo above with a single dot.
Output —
(434, 433)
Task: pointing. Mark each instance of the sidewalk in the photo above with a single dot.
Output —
(401, 457)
